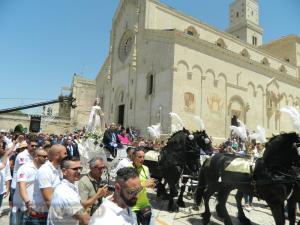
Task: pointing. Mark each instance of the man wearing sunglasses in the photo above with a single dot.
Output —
(90, 186)
(28, 190)
(115, 209)
(65, 208)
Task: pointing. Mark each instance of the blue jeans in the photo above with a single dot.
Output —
(35, 221)
(1, 199)
(248, 199)
(18, 217)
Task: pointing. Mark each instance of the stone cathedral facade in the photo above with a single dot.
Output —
(162, 61)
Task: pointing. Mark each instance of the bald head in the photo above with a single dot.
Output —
(57, 153)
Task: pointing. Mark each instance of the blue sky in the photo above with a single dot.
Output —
(44, 42)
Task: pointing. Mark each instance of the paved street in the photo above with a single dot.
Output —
(259, 215)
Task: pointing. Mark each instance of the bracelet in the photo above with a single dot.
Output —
(27, 203)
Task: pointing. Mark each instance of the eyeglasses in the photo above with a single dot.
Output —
(135, 191)
(78, 169)
(44, 156)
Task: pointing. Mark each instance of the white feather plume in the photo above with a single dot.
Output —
(173, 128)
(260, 135)
(180, 122)
(199, 122)
(154, 130)
(294, 114)
(240, 131)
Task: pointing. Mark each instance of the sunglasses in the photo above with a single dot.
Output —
(44, 156)
(135, 191)
(33, 146)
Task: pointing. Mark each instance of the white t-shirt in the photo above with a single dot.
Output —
(26, 173)
(122, 164)
(65, 204)
(4, 176)
(49, 176)
(22, 158)
(111, 213)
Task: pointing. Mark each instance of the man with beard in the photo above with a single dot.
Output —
(115, 209)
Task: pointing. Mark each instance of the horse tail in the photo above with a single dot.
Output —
(200, 187)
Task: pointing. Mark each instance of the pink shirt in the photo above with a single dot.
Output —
(123, 139)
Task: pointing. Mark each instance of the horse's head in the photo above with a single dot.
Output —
(283, 150)
(203, 140)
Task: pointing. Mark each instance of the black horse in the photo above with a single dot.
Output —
(293, 200)
(180, 155)
(271, 179)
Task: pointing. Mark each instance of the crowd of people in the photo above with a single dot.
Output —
(42, 176)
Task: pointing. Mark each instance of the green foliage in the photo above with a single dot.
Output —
(19, 128)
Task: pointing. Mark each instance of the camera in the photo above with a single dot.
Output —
(111, 188)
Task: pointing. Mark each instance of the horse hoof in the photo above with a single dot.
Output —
(173, 208)
(244, 221)
(195, 207)
(181, 203)
(206, 218)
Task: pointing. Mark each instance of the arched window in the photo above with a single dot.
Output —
(245, 53)
(265, 61)
(191, 31)
(282, 69)
(221, 43)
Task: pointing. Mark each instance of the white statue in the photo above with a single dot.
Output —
(95, 122)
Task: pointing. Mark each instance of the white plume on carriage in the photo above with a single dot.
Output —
(199, 122)
(154, 131)
(179, 125)
(240, 131)
(87, 150)
(259, 135)
(294, 115)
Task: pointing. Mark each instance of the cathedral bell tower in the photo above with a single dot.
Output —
(244, 21)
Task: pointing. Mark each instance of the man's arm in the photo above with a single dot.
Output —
(84, 194)
(7, 184)
(82, 217)
(23, 191)
(47, 195)
(102, 192)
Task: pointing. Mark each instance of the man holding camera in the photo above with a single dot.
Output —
(90, 186)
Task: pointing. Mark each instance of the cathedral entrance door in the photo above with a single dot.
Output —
(121, 114)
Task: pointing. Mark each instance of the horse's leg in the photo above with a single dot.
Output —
(207, 193)
(277, 209)
(180, 201)
(161, 191)
(221, 206)
(172, 206)
(241, 215)
(291, 206)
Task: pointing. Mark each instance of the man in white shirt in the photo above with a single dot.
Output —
(65, 208)
(5, 175)
(126, 162)
(27, 192)
(23, 157)
(50, 175)
(115, 209)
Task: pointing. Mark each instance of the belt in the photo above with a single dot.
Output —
(41, 215)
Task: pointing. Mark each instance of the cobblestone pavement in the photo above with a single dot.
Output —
(260, 215)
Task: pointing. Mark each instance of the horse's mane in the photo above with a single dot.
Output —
(278, 149)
